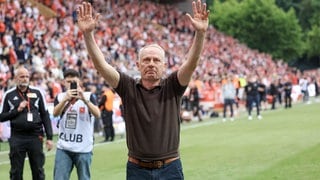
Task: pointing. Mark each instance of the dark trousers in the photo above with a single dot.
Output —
(172, 170)
(108, 125)
(253, 101)
(287, 100)
(228, 102)
(280, 97)
(305, 95)
(33, 147)
(195, 106)
(274, 100)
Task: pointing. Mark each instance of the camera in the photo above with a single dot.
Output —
(73, 85)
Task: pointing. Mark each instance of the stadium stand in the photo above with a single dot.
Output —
(42, 35)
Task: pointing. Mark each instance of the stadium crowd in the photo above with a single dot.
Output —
(47, 46)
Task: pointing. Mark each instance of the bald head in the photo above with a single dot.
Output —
(158, 49)
(21, 70)
(22, 77)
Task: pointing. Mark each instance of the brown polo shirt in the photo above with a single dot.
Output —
(152, 117)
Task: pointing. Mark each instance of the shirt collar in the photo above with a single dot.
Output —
(139, 84)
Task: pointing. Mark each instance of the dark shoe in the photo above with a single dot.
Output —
(106, 140)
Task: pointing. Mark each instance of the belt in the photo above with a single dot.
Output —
(151, 164)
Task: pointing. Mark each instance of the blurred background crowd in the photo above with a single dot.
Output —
(48, 42)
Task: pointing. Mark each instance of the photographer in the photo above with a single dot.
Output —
(75, 143)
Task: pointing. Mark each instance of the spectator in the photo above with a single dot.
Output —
(229, 94)
(287, 93)
(262, 95)
(303, 82)
(273, 91)
(252, 95)
(106, 107)
(194, 99)
(280, 90)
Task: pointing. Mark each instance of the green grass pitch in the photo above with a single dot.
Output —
(285, 144)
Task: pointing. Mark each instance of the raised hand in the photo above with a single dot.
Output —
(86, 21)
(81, 94)
(200, 19)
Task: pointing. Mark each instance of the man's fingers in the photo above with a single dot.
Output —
(194, 8)
(24, 103)
(89, 9)
(80, 11)
(189, 16)
(86, 8)
(199, 7)
(208, 12)
(96, 18)
(204, 8)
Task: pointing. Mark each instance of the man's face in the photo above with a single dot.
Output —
(22, 78)
(68, 81)
(151, 64)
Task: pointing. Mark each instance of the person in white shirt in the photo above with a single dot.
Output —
(76, 128)
(303, 82)
(229, 94)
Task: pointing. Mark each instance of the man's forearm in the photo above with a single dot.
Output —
(57, 110)
(196, 49)
(186, 70)
(5, 116)
(93, 108)
(47, 125)
(94, 51)
(106, 70)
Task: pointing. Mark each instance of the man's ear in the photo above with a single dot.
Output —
(165, 64)
(137, 64)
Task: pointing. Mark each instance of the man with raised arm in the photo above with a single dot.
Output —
(152, 103)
